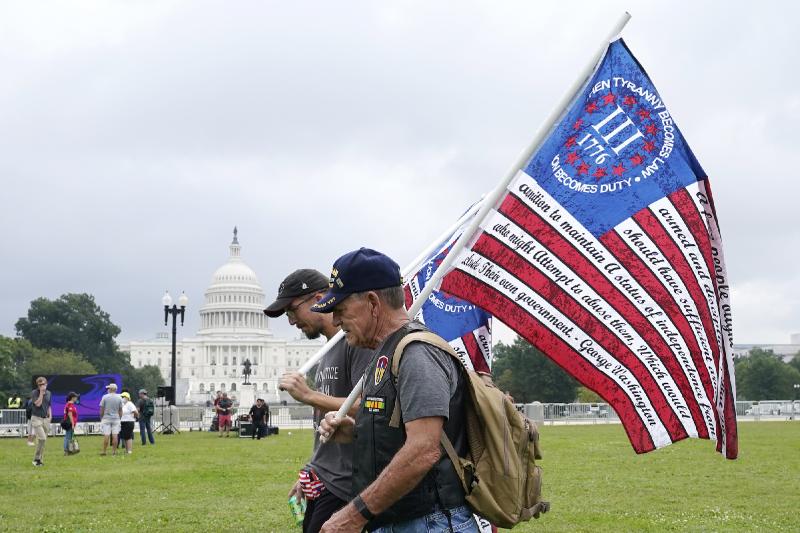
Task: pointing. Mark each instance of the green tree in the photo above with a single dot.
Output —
(794, 362)
(147, 377)
(762, 375)
(74, 322)
(14, 354)
(586, 395)
(46, 362)
(20, 362)
(529, 375)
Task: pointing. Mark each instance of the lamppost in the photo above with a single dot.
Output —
(183, 301)
(796, 387)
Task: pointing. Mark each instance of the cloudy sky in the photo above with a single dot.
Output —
(135, 135)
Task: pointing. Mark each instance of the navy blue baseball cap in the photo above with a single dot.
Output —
(359, 271)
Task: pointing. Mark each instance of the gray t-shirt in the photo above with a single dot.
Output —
(337, 373)
(111, 404)
(427, 379)
(42, 410)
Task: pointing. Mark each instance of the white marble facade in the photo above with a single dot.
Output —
(233, 328)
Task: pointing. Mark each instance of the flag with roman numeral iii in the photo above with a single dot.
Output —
(605, 253)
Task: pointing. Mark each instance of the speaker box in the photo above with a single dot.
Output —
(166, 392)
(245, 429)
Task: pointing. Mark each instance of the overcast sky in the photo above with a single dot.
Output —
(135, 135)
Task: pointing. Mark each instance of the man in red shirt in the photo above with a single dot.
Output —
(224, 411)
(71, 413)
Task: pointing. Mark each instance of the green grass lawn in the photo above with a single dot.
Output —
(595, 482)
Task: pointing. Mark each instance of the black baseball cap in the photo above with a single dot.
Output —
(358, 271)
(298, 283)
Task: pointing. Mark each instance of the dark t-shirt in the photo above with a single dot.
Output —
(259, 415)
(224, 406)
(40, 411)
(337, 373)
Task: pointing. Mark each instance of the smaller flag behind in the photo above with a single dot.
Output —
(465, 326)
(605, 254)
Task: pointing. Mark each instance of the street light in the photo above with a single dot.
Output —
(183, 301)
(796, 387)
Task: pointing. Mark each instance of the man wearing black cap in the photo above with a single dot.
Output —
(146, 409)
(326, 480)
(401, 480)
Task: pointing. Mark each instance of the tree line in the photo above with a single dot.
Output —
(529, 375)
(68, 335)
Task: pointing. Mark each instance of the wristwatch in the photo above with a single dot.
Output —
(361, 507)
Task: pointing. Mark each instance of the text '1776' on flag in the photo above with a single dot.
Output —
(605, 253)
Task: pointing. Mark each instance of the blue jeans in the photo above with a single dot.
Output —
(146, 426)
(68, 434)
(460, 517)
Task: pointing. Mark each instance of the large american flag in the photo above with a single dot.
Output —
(465, 326)
(605, 254)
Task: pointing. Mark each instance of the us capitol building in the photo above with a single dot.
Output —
(233, 328)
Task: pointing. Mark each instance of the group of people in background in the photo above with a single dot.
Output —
(118, 416)
(223, 406)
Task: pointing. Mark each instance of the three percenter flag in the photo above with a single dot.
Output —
(605, 254)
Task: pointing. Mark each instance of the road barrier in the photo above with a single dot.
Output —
(13, 422)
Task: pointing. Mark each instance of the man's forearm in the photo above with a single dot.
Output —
(326, 403)
(323, 402)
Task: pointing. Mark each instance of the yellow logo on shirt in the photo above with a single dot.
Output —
(375, 404)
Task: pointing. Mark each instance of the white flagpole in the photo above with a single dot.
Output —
(407, 271)
(490, 201)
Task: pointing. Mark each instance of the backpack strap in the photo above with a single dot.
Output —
(434, 340)
(416, 336)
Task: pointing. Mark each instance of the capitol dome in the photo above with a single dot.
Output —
(234, 272)
(234, 302)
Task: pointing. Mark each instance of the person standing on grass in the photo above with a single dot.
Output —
(127, 421)
(71, 413)
(146, 409)
(325, 481)
(41, 413)
(259, 415)
(224, 407)
(110, 415)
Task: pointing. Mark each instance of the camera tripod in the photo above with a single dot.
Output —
(169, 428)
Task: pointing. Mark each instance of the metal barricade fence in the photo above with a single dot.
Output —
(13, 422)
(593, 413)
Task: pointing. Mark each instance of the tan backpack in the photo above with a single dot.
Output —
(500, 476)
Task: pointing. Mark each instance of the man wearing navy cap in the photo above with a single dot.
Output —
(401, 480)
(326, 481)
